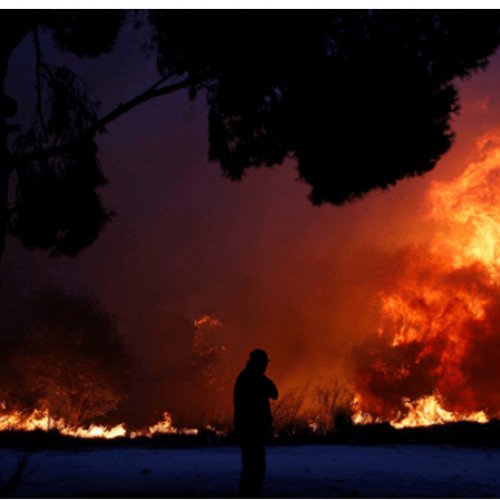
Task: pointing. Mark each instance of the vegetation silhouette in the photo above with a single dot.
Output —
(66, 357)
(357, 100)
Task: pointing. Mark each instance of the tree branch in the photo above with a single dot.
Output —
(38, 84)
(151, 93)
(163, 79)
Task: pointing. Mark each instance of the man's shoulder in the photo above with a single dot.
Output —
(242, 376)
(250, 377)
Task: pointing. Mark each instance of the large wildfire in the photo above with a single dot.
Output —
(435, 358)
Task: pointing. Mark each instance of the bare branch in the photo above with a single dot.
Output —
(149, 94)
(161, 81)
(99, 126)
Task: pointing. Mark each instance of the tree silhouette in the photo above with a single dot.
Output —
(69, 360)
(357, 99)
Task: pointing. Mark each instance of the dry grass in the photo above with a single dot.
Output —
(323, 409)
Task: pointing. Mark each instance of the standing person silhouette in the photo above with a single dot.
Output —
(253, 421)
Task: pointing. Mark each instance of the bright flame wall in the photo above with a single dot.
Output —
(439, 328)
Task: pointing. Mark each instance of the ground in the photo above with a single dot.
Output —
(315, 471)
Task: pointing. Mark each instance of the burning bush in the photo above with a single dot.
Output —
(69, 361)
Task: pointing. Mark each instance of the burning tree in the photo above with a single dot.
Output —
(436, 356)
(70, 362)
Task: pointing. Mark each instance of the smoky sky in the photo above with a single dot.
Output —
(297, 280)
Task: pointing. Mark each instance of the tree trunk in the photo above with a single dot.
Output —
(4, 170)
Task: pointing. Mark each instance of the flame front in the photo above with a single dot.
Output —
(429, 410)
(435, 358)
(41, 420)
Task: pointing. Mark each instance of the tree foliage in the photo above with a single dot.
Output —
(357, 100)
(56, 205)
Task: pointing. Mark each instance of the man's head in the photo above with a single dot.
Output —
(258, 360)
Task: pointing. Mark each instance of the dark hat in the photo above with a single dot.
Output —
(258, 355)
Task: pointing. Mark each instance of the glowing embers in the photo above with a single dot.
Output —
(41, 420)
(207, 321)
(435, 359)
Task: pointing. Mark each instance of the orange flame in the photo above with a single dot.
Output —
(469, 209)
(207, 320)
(435, 359)
(166, 426)
(41, 420)
(429, 410)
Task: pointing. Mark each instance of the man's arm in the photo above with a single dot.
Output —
(272, 391)
(237, 398)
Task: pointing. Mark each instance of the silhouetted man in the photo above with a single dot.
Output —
(253, 421)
